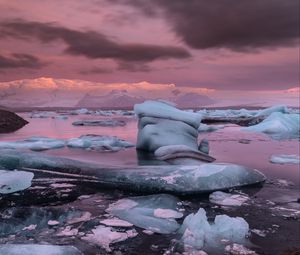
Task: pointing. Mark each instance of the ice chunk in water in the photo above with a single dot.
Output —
(104, 236)
(285, 159)
(99, 143)
(198, 232)
(156, 213)
(278, 125)
(270, 110)
(192, 179)
(37, 249)
(209, 128)
(226, 199)
(101, 123)
(36, 143)
(12, 181)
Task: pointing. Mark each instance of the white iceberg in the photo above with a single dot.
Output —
(36, 143)
(104, 236)
(285, 159)
(99, 143)
(12, 181)
(227, 199)
(197, 232)
(161, 124)
(101, 123)
(278, 125)
(268, 111)
(34, 249)
(156, 213)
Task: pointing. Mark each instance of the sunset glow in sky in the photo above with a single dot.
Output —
(220, 45)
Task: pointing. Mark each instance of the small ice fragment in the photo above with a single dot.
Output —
(30, 227)
(115, 222)
(167, 213)
(238, 249)
(285, 159)
(226, 199)
(53, 222)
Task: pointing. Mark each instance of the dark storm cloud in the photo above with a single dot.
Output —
(240, 25)
(90, 44)
(20, 61)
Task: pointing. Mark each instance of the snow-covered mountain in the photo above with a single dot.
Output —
(48, 92)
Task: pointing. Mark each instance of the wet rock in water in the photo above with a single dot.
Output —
(161, 124)
(36, 143)
(279, 126)
(181, 151)
(227, 199)
(197, 232)
(101, 123)
(41, 249)
(152, 179)
(204, 146)
(99, 143)
(244, 141)
(10, 122)
(285, 159)
(13, 181)
(156, 213)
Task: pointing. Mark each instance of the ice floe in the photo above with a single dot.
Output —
(13, 181)
(209, 128)
(104, 236)
(278, 125)
(156, 213)
(285, 159)
(191, 179)
(101, 123)
(99, 143)
(197, 232)
(34, 249)
(36, 143)
(227, 199)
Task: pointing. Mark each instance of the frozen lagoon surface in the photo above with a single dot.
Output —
(272, 210)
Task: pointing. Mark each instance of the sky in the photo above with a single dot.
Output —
(221, 44)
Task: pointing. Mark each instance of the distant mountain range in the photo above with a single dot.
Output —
(48, 92)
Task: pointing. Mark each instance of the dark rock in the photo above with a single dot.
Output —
(241, 121)
(10, 122)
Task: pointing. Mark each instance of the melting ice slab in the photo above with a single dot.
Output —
(156, 213)
(99, 143)
(285, 159)
(34, 249)
(152, 179)
(278, 125)
(36, 143)
(12, 181)
(197, 232)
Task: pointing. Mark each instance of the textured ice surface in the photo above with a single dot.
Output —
(158, 109)
(37, 249)
(161, 124)
(226, 199)
(285, 159)
(99, 143)
(104, 236)
(156, 213)
(238, 249)
(198, 232)
(209, 128)
(36, 143)
(155, 179)
(102, 123)
(115, 222)
(12, 181)
(181, 151)
(270, 110)
(278, 125)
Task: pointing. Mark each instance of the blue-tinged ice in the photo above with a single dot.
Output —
(12, 181)
(99, 143)
(156, 213)
(285, 159)
(36, 143)
(278, 125)
(38, 249)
